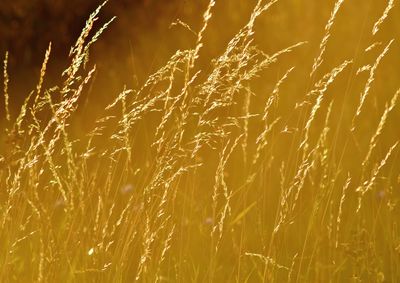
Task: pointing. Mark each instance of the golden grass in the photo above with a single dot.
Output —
(200, 175)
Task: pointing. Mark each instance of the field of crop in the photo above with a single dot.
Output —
(238, 141)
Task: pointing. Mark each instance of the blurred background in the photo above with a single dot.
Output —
(146, 33)
(137, 38)
(143, 27)
(144, 36)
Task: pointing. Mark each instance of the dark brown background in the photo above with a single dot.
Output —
(141, 39)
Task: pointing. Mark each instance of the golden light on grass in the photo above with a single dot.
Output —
(275, 160)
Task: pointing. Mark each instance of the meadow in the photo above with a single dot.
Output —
(261, 145)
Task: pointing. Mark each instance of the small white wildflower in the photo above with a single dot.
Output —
(91, 251)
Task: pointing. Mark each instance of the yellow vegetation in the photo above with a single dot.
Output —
(253, 166)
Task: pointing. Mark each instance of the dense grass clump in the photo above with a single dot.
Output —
(254, 165)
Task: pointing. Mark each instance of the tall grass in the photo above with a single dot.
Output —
(197, 175)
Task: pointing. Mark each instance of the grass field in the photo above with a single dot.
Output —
(261, 145)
